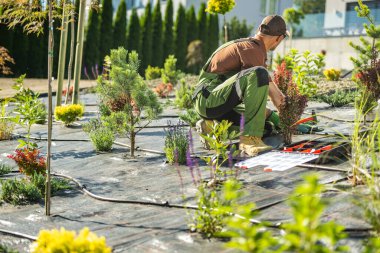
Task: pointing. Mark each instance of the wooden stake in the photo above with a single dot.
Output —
(62, 54)
(50, 73)
(79, 51)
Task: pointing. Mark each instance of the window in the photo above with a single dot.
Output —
(353, 23)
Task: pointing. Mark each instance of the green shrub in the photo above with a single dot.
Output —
(68, 113)
(169, 72)
(338, 98)
(332, 74)
(5, 169)
(30, 190)
(208, 218)
(152, 73)
(102, 138)
(176, 144)
(41, 114)
(305, 67)
(29, 108)
(5, 249)
(56, 184)
(6, 124)
(19, 192)
(183, 95)
(306, 232)
(244, 236)
(191, 117)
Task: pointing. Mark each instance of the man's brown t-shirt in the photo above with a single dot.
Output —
(238, 56)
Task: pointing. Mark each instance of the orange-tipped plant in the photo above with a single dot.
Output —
(294, 104)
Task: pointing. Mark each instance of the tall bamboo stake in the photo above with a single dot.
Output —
(70, 67)
(79, 51)
(225, 29)
(62, 54)
(50, 73)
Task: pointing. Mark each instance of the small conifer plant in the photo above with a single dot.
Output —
(127, 95)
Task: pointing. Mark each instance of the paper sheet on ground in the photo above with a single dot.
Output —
(276, 161)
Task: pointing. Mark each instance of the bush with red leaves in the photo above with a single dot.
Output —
(294, 105)
(163, 89)
(29, 161)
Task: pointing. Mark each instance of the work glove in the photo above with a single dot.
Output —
(308, 129)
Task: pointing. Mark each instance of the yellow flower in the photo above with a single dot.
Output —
(68, 113)
(220, 6)
(67, 241)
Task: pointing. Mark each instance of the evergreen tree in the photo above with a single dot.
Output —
(168, 30)
(192, 26)
(6, 38)
(57, 24)
(213, 39)
(134, 34)
(6, 35)
(202, 27)
(120, 27)
(20, 51)
(157, 36)
(92, 41)
(146, 27)
(35, 56)
(181, 38)
(238, 29)
(106, 31)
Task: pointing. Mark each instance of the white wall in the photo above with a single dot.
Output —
(338, 51)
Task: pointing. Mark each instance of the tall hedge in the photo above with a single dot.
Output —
(213, 38)
(202, 26)
(146, 27)
(92, 41)
(106, 29)
(134, 35)
(120, 27)
(180, 30)
(157, 36)
(20, 51)
(168, 30)
(192, 25)
(36, 58)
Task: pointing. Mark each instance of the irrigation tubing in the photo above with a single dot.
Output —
(166, 204)
(17, 234)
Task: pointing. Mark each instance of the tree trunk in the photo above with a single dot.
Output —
(287, 135)
(62, 55)
(133, 142)
(225, 29)
(50, 73)
(79, 51)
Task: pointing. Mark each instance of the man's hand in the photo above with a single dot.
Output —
(276, 95)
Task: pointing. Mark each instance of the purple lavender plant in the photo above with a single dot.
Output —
(85, 73)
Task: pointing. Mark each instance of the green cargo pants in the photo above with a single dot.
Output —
(244, 93)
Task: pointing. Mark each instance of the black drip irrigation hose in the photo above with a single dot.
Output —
(146, 203)
(18, 234)
(166, 204)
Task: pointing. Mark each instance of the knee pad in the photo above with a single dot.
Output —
(262, 77)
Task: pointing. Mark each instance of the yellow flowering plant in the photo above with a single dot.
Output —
(68, 113)
(332, 74)
(220, 6)
(68, 241)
